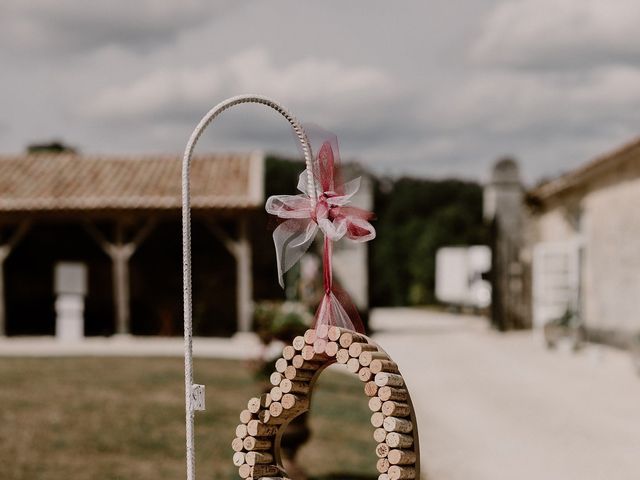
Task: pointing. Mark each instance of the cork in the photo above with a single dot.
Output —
(319, 345)
(364, 374)
(382, 451)
(400, 473)
(382, 465)
(293, 373)
(259, 470)
(378, 366)
(265, 416)
(342, 356)
(383, 476)
(238, 458)
(334, 333)
(395, 424)
(331, 349)
(237, 444)
(398, 440)
(299, 362)
(241, 430)
(322, 331)
(367, 357)
(377, 419)
(256, 428)
(293, 402)
(298, 343)
(355, 349)
(276, 394)
(375, 404)
(395, 394)
(290, 401)
(370, 389)
(395, 409)
(254, 458)
(380, 435)
(353, 365)
(246, 416)
(384, 379)
(347, 338)
(265, 400)
(308, 353)
(253, 443)
(275, 409)
(401, 457)
(310, 336)
(281, 365)
(288, 352)
(275, 378)
(244, 471)
(253, 405)
(289, 386)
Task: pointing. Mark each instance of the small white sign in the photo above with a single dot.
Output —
(197, 397)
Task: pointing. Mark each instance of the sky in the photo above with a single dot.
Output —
(430, 88)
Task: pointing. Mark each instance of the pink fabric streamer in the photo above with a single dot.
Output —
(332, 216)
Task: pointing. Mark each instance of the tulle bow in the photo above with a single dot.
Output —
(332, 215)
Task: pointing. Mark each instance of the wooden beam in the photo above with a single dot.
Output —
(120, 251)
(5, 251)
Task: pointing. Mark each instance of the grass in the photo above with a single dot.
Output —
(121, 418)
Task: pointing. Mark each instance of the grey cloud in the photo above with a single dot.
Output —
(559, 34)
(72, 26)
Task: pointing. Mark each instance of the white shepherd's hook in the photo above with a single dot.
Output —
(190, 389)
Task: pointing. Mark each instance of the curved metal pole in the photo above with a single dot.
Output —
(186, 242)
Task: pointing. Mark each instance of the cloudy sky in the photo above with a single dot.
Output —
(432, 88)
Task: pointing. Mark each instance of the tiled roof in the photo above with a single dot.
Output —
(590, 170)
(51, 182)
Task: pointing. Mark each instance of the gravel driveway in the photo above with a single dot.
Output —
(500, 406)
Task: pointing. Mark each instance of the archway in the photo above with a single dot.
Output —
(257, 443)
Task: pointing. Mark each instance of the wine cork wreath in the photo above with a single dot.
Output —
(262, 423)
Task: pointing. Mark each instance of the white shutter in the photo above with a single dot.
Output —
(556, 280)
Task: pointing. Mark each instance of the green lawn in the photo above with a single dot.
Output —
(122, 418)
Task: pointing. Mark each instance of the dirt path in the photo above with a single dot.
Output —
(494, 407)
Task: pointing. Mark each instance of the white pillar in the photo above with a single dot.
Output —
(120, 253)
(244, 277)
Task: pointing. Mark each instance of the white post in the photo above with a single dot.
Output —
(244, 278)
(120, 251)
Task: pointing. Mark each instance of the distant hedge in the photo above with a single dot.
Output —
(414, 217)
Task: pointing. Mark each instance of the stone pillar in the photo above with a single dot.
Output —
(503, 210)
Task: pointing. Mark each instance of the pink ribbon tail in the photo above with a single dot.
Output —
(336, 308)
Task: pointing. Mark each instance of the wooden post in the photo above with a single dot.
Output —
(244, 279)
(120, 251)
(240, 248)
(5, 250)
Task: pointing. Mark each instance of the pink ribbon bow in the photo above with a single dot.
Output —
(332, 215)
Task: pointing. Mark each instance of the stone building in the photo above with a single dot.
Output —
(584, 243)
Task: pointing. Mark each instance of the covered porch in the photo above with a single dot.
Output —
(120, 216)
